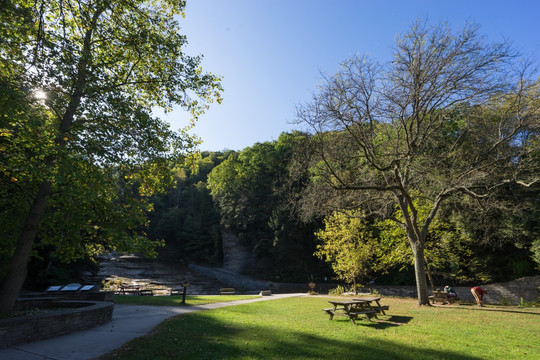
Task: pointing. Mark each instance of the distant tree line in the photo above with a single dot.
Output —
(257, 194)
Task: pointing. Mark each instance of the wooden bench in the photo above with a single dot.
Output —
(128, 290)
(369, 314)
(146, 292)
(381, 308)
(330, 312)
(226, 291)
(177, 291)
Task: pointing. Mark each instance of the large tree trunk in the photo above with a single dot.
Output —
(420, 274)
(16, 275)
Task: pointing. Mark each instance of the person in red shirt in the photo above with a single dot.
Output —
(479, 294)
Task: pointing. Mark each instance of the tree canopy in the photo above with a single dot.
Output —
(80, 80)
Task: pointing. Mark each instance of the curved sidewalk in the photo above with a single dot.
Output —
(128, 322)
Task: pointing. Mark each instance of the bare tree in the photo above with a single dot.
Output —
(449, 115)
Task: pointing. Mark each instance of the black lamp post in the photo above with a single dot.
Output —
(185, 285)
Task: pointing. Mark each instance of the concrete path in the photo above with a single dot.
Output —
(128, 322)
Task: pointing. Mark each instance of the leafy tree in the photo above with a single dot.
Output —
(85, 76)
(350, 245)
(447, 116)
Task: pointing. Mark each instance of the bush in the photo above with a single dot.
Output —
(339, 290)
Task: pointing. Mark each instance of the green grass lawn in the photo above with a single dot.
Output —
(296, 328)
(191, 300)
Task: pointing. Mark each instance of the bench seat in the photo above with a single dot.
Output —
(381, 308)
(369, 314)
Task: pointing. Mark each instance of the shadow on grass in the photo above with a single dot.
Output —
(394, 320)
(202, 337)
(380, 323)
(494, 309)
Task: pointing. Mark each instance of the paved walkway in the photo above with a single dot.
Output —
(128, 322)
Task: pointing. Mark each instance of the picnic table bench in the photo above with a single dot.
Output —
(352, 309)
(442, 297)
(226, 291)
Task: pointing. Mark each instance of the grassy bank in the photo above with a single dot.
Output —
(297, 329)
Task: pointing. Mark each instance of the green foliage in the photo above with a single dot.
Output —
(252, 190)
(79, 81)
(186, 217)
(338, 290)
(535, 249)
(349, 244)
(449, 253)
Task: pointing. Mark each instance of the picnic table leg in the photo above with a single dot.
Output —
(374, 314)
(348, 310)
(380, 307)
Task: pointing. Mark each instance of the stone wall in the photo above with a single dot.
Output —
(527, 288)
(23, 329)
(59, 295)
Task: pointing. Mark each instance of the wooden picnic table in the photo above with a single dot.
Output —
(351, 309)
(379, 308)
(443, 297)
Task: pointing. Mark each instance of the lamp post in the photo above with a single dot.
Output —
(185, 285)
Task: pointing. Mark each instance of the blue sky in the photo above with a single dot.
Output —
(271, 53)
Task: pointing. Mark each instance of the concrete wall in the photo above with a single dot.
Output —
(23, 329)
(527, 288)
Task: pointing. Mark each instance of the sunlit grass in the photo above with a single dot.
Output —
(297, 329)
(191, 300)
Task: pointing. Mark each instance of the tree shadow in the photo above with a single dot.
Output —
(200, 337)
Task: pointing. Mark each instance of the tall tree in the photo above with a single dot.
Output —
(447, 116)
(98, 67)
